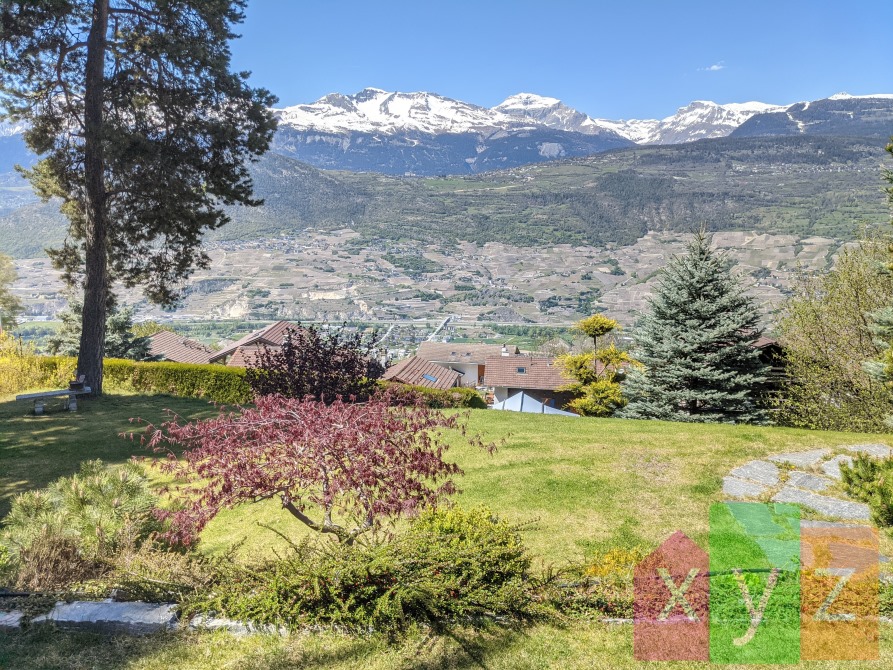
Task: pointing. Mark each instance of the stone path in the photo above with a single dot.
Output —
(813, 473)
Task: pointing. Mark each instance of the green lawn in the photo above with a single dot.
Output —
(580, 485)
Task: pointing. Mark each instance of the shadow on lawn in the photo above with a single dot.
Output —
(35, 450)
(43, 648)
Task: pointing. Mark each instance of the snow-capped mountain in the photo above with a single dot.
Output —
(552, 113)
(425, 133)
(10, 129)
(699, 120)
(373, 110)
(702, 119)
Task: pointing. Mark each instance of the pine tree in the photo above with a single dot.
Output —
(144, 135)
(120, 340)
(695, 344)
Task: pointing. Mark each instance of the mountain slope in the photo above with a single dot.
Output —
(805, 185)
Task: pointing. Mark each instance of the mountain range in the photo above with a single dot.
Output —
(427, 134)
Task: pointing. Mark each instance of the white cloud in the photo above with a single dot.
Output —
(716, 67)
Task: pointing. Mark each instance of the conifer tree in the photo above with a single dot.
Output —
(695, 344)
(144, 134)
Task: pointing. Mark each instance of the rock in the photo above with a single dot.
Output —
(876, 450)
(805, 480)
(10, 621)
(739, 488)
(134, 618)
(802, 459)
(238, 628)
(832, 467)
(833, 507)
(762, 472)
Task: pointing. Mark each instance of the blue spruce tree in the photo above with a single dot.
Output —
(695, 345)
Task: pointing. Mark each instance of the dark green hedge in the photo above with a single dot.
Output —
(455, 397)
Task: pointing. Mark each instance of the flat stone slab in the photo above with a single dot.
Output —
(237, 628)
(802, 459)
(812, 523)
(740, 488)
(762, 472)
(808, 481)
(832, 467)
(135, 618)
(876, 450)
(10, 620)
(833, 507)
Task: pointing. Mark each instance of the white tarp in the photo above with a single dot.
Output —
(521, 402)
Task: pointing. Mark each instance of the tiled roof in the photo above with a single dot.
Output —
(420, 372)
(763, 342)
(451, 352)
(274, 335)
(244, 357)
(172, 347)
(539, 372)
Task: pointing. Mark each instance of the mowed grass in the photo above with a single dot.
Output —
(576, 646)
(577, 486)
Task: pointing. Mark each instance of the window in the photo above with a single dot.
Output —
(430, 378)
(522, 371)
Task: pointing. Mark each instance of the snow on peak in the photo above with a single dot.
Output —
(11, 128)
(375, 110)
(847, 96)
(526, 101)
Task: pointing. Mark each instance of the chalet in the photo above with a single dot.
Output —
(167, 346)
(539, 377)
(241, 352)
(419, 372)
(469, 360)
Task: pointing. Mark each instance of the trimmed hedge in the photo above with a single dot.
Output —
(219, 383)
(187, 380)
(215, 382)
(439, 399)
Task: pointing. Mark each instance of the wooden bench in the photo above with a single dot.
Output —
(70, 395)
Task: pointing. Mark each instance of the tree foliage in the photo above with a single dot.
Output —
(120, 340)
(827, 332)
(596, 326)
(321, 364)
(340, 468)
(695, 345)
(881, 368)
(597, 374)
(10, 306)
(144, 133)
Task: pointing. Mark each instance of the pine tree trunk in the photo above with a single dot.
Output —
(92, 343)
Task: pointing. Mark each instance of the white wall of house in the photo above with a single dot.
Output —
(469, 372)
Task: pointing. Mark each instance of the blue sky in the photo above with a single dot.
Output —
(618, 59)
